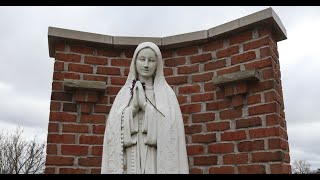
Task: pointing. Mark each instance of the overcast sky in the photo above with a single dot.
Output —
(26, 68)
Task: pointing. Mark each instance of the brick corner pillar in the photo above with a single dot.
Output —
(227, 80)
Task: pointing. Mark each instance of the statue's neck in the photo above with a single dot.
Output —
(147, 80)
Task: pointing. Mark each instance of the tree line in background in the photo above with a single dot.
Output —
(21, 156)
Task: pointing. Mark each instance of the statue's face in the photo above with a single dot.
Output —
(146, 62)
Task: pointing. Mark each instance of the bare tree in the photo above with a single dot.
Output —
(301, 167)
(19, 156)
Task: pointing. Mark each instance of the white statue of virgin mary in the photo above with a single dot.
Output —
(145, 131)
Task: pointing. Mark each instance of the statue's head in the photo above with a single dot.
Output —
(146, 62)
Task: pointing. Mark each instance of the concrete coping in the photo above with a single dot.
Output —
(82, 84)
(266, 17)
(250, 75)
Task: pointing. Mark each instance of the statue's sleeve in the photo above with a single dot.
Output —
(129, 128)
(150, 125)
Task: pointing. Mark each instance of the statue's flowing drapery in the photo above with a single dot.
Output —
(164, 135)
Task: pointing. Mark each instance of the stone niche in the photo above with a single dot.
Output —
(227, 80)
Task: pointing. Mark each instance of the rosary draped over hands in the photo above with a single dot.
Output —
(139, 87)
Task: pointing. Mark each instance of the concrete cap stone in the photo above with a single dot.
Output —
(83, 84)
(266, 17)
(250, 75)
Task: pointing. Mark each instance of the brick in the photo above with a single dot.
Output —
(90, 162)
(247, 146)
(220, 95)
(227, 52)
(49, 170)
(215, 65)
(182, 99)
(61, 76)
(108, 70)
(191, 129)
(280, 169)
(195, 171)
(70, 107)
(166, 53)
(129, 53)
(177, 80)
(260, 64)
(112, 90)
(205, 160)
(59, 46)
(57, 86)
(72, 171)
(237, 101)
(229, 90)
(80, 96)
(53, 127)
(202, 97)
(244, 57)
(80, 68)
(97, 150)
(251, 169)
(95, 60)
(175, 62)
(188, 69)
(272, 96)
(231, 114)
(278, 143)
(68, 57)
(58, 66)
(267, 156)
(241, 88)
(254, 99)
(218, 105)
(111, 99)
(55, 106)
(74, 150)
(95, 171)
(263, 109)
(265, 52)
(59, 160)
(108, 52)
(233, 135)
(62, 117)
(75, 128)
(82, 50)
(240, 38)
(187, 51)
(262, 86)
(264, 132)
(212, 46)
(93, 118)
(86, 108)
(102, 109)
(51, 149)
(103, 100)
(195, 149)
(264, 32)
(190, 108)
(201, 58)
(118, 80)
(204, 138)
(273, 119)
(202, 77)
(221, 148)
(63, 138)
(256, 44)
(61, 96)
(235, 159)
(189, 89)
(268, 74)
(121, 62)
(93, 97)
(94, 78)
(168, 71)
(218, 126)
(98, 129)
(209, 86)
(84, 139)
(249, 122)
(228, 70)
(221, 170)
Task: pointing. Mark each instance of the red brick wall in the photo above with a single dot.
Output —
(239, 128)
